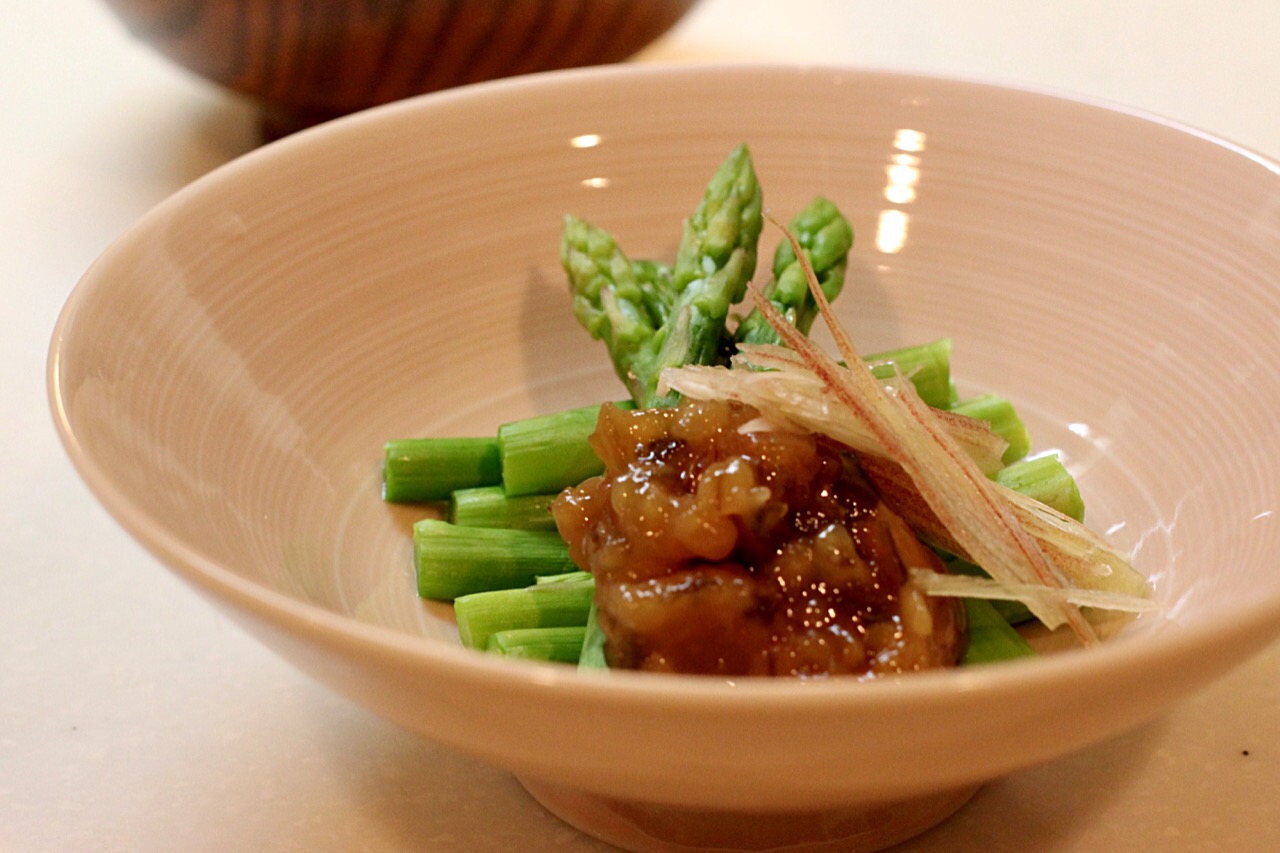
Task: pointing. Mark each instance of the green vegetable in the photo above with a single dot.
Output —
(566, 577)
(490, 506)
(452, 561)
(1004, 420)
(649, 320)
(826, 237)
(429, 469)
(1047, 480)
(555, 605)
(560, 645)
(592, 656)
(928, 366)
(548, 453)
(991, 637)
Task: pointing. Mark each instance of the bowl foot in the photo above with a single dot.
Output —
(652, 828)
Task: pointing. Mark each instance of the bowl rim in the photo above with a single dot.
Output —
(1252, 627)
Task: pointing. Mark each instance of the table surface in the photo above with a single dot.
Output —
(134, 717)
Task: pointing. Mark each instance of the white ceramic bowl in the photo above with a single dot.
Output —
(224, 377)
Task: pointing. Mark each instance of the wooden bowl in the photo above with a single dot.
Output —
(307, 61)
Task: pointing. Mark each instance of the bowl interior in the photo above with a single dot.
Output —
(227, 372)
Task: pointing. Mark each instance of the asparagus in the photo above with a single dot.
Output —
(991, 637)
(559, 645)
(555, 605)
(928, 366)
(490, 506)
(1047, 480)
(564, 577)
(429, 469)
(826, 237)
(649, 321)
(1004, 420)
(547, 453)
(452, 561)
(592, 655)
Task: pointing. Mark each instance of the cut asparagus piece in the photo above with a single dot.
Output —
(490, 506)
(991, 637)
(547, 453)
(1047, 480)
(452, 561)
(429, 469)
(558, 645)
(927, 365)
(482, 614)
(592, 656)
(566, 577)
(1004, 420)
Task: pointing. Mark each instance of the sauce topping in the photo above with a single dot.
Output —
(725, 552)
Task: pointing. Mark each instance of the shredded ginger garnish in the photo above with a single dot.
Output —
(934, 463)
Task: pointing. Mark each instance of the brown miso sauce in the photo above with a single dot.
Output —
(730, 552)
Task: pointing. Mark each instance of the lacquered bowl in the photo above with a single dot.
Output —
(226, 373)
(307, 61)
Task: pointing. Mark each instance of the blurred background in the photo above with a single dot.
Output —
(158, 725)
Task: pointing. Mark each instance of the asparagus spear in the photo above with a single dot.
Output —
(654, 280)
(999, 412)
(826, 238)
(546, 453)
(591, 655)
(1047, 480)
(452, 561)
(429, 469)
(554, 605)
(560, 645)
(490, 506)
(649, 319)
(991, 637)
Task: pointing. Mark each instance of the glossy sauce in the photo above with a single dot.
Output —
(726, 552)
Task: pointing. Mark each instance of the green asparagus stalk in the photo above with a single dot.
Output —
(609, 301)
(654, 279)
(991, 637)
(558, 645)
(429, 469)
(1003, 419)
(623, 304)
(452, 561)
(1047, 480)
(592, 656)
(555, 605)
(826, 237)
(928, 366)
(547, 453)
(490, 506)
(575, 576)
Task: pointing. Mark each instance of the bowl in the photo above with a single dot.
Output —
(225, 375)
(307, 61)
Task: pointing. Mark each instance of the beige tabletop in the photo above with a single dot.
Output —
(134, 717)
